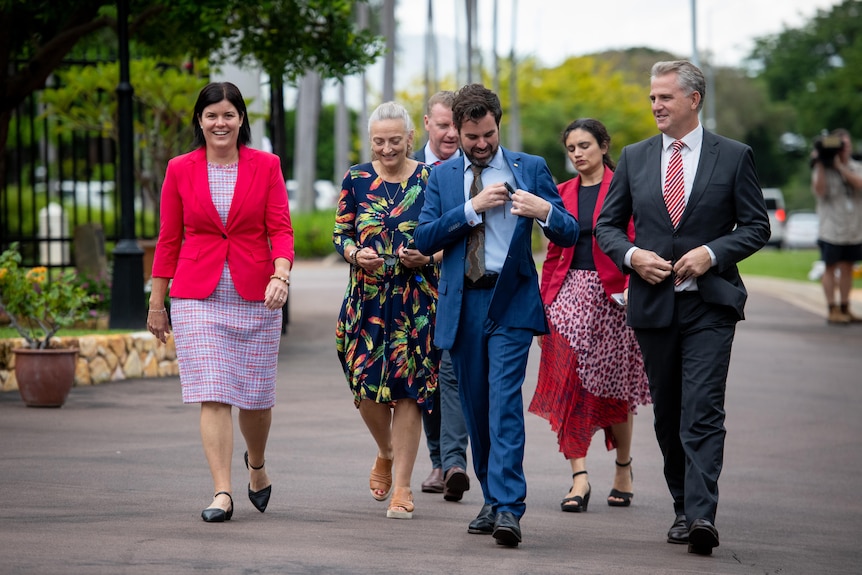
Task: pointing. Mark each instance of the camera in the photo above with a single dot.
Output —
(827, 148)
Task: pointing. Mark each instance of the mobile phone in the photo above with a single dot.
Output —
(509, 189)
(619, 299)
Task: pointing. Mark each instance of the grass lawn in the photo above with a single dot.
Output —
(787, 264)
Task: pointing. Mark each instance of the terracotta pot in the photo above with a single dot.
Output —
(45, 376)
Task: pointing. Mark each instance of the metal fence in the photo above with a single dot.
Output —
(59, 178)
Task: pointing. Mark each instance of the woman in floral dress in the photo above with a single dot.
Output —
(385, 329)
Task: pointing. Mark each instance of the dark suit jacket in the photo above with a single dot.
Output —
(193, 243)
(725, 211)
(442, 226)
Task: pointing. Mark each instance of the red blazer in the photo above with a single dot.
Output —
(193, 243)
(559, 259)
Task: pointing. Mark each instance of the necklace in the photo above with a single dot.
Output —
(390, 197)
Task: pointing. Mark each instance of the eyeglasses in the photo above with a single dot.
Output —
(389, 259)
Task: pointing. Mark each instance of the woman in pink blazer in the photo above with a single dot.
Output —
(591, 373)
(226, 248)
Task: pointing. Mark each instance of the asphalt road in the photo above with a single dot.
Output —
(113, 482)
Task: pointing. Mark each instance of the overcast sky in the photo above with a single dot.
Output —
(556, 29)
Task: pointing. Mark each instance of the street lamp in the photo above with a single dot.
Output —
(127, 287)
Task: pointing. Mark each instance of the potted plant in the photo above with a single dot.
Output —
(38, 308)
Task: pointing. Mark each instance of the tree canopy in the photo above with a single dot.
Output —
(815, 69)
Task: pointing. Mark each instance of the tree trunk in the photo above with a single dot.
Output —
(305, 158)
(342, 136)
(389, 58)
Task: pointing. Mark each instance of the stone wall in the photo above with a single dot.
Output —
(103, 358)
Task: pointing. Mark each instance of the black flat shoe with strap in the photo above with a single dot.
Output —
(626, 496)
(259, 499)
(568, 504)
(217, 514)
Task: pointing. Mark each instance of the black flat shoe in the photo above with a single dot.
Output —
(678, 532)
(507, 529)
(217, 514)
(702, 537)
(626, 496)
(484, 522)
(259, 499)
(582, 501)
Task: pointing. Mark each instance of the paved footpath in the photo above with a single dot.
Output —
(113, 483)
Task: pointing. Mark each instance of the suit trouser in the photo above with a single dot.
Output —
(453, 428)
(687, 365)
(490, 363)
(445, 428)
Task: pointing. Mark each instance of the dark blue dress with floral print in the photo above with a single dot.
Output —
(385, 331)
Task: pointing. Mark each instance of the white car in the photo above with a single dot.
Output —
(801, 231)
(775, 208)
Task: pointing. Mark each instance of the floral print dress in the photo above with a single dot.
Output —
(385, 330)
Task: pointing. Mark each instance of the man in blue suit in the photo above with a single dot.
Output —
(479, 208)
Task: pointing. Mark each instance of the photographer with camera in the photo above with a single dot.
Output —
(836, 181)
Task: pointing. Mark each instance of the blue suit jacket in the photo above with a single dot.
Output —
(516, 301)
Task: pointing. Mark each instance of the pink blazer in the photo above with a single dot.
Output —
(558, 259)
(194, 244)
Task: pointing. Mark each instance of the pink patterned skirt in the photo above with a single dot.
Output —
(591, 373)
(227, 348)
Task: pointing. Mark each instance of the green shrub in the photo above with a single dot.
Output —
(312, 233)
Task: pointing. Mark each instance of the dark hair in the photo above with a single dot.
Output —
(599, 132)
(213, 93)
(473, 102)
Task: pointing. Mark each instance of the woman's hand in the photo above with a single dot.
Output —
(276, 292)
(157, 324)
(367, 259)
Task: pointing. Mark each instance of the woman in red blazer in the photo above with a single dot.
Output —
(226, 248)
(591, 373)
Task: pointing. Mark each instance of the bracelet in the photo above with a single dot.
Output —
(354, 256)
(157, 310)
(431, 260)
(278, 277)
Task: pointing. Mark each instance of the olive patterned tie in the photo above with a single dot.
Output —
(476, 239)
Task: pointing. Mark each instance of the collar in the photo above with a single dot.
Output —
(692, 140)
(431, 157)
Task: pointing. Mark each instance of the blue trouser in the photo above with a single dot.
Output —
(490, 363)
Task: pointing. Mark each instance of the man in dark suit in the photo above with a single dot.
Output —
(490, 307)
(445, 429)
(698, 210)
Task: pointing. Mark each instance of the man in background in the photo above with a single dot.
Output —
(445, 430)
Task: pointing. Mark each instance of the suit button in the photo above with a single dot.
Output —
(223, 236)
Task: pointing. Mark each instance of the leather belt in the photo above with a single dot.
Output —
(487, 281)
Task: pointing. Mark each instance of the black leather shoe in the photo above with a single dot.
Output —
(455, 484)
(484, 522)
(507, 529)
(702, 537)
(217, 514)
(678, 533)
(260, 499)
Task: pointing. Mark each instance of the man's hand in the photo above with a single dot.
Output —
(530, 206)
(693, 264)
(650, 266)
(490, 197)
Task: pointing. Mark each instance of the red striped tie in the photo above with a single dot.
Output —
(674, 184)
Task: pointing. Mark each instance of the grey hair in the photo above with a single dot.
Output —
(689, 77)
(444, 97)
(391, 111)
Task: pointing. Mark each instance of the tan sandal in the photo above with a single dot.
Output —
(401, 506)
(381, 478)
